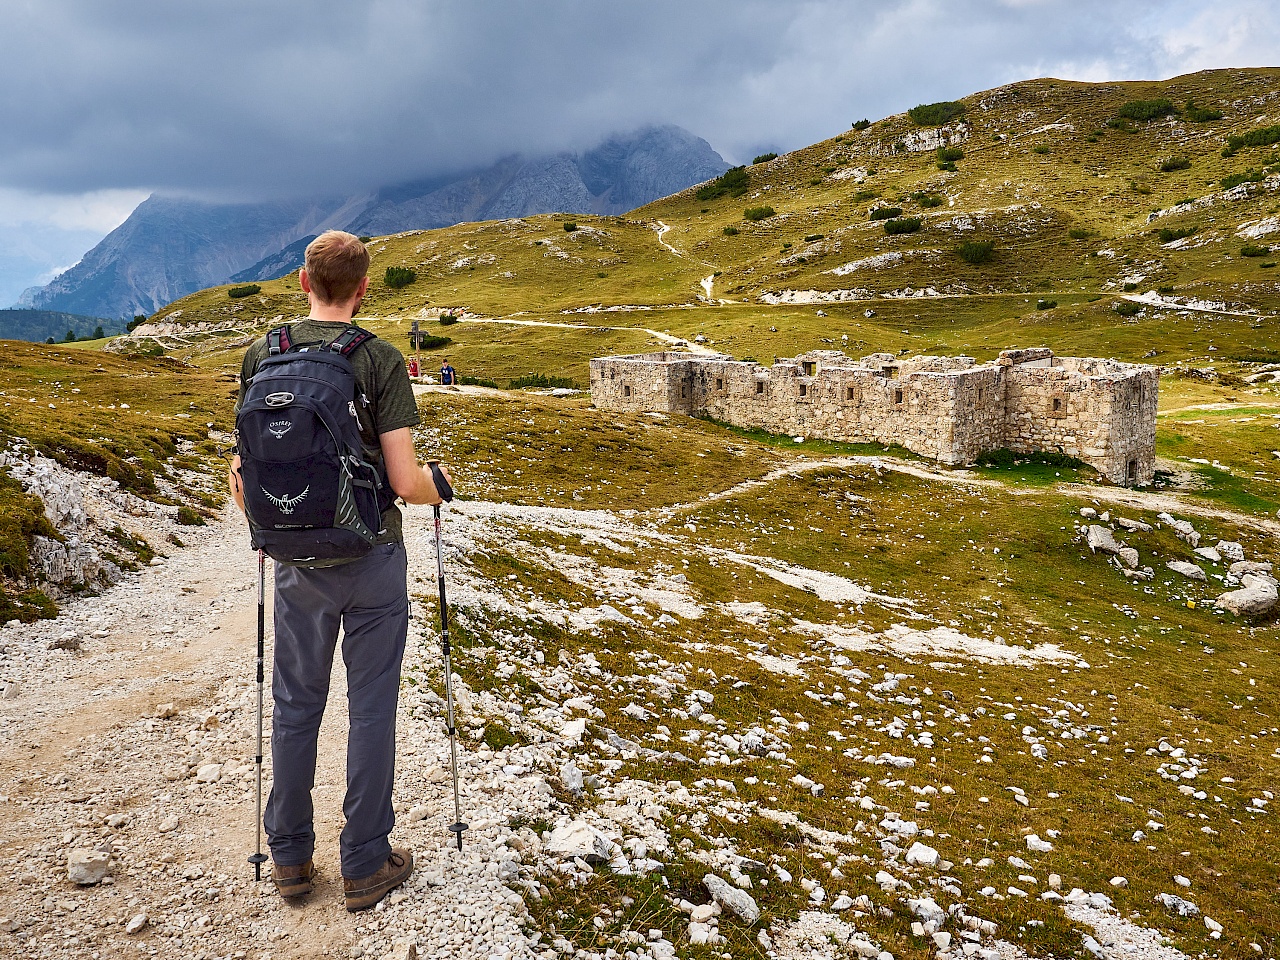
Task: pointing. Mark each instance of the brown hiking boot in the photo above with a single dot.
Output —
(365, 892)
(293, 881)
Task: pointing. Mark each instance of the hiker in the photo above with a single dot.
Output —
(413, 368)
(367, 597)
(448, 376)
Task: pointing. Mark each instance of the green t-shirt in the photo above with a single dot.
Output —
(380, 375)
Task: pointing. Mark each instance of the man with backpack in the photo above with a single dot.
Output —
(324, 446)
(448, 376)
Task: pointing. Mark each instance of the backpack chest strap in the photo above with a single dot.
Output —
(350, 340)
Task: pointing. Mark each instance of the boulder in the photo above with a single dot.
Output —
(1257, 596)
(1133, 525)
(580, 839)
(1208, 553)
(1185, 531)
(1231, 550)
(88, 867)
(1189, 570)
(731, 898)
(1241, 567)
(1128, 556)
(1101, 538)
(922, 855)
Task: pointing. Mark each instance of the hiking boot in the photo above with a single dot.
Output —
(293, 881)
(365, 892)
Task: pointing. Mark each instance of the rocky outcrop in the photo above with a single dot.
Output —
(1257, 596)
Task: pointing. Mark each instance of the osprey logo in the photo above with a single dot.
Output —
(281, 399)
(286, 504)
(279, 428)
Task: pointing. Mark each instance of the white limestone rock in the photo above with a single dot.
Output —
(581, 840)
(922, 855)
(1184, 530)
(1256, 597)
(1101, 538)
(88, 867)
(1231, 550)
(1240, 568)
(731, 898)
(1189, 570)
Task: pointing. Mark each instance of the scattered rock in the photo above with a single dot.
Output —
(1101, 538)
(136, 923)
(1257, 596)
(166, 711)
(922, 855)
(1036, 845)
(1183, 908)
(168, 824)
(404, 950)
(1184, 530)
(1133, 526)
(9, 689)
(1088, 513)
(209, 773)
(68, 641)
(1231, 550)
(1189, 570)
(731, 898)
(580, 839)
(571, 777)
(1208, 553)
(88, 867)
(1240, 568)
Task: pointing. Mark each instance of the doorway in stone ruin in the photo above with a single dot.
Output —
(1132, 471)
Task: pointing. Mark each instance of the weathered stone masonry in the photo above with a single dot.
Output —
(948, 408)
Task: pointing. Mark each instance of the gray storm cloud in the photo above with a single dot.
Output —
(253, 97)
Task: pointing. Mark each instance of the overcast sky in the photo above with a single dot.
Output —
(106, 101)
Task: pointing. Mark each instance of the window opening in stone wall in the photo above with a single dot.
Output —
(1057, 404)
(848, 394)
(979, 393)
(1133, 471)
(808, 366)
(804, 390)
(759, 386)
(897, 396)
(626, 391)
(891, 372)
(719, 384)
(684, 390)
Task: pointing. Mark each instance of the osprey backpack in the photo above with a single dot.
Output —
(311, 495)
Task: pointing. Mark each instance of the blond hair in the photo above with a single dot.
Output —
(336, 262)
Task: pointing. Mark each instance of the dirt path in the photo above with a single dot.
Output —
(656, 334)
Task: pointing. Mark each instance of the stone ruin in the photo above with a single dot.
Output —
(950, 409)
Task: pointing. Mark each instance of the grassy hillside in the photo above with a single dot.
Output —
(1106, 705)
(39, 325)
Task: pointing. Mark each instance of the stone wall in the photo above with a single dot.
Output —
(950, 409)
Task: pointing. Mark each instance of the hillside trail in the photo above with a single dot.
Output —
(656, 334)
(707, 282)
(1119, 496)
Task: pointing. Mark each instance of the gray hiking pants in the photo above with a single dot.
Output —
(369, 599)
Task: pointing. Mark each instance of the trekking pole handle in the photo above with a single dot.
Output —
(443, 486)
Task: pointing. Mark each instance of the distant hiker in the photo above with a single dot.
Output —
(317, 588)
(448, 376)
(413, 368)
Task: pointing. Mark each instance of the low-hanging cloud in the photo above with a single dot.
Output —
(259, 98)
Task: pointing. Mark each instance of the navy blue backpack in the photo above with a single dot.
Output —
(312, 496)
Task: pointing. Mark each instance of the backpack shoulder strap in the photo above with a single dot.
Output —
(350, 340)
(279, 341)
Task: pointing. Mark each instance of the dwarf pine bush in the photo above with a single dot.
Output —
(885, 213)
(764, 158)
(976, 251)
(1172, 164)
(397, 277)
(245, 290)
(1144, 110)
(936, 114)
(755, 214)
(902, 225)
(732, 183)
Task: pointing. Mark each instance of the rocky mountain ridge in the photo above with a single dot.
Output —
(170, 247)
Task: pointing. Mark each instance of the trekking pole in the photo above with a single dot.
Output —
(259, 858)
(446, 493)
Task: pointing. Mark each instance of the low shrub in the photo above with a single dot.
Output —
(936, 114)
(764, 158)
(1253, 250)
(1121, 124)
(1165, 291)
(756, 214)
(927, 200)
(244, 290)
(1079, 233)
(1259, 137)
(570, 226)
(862, 124)
(864, 195)
(478, 382)
(1235, 179)
(189, 517)
(950, 153)
(1127, 308)
(1201, 114)
(902, 225)
(732, 183)
(429, 341)
(542, 380)
(1144, 110)
(447, 319)
(1041, 148)
(1043, 304)
(397, 277)
(136, 322)
(885, 213)
(948, 165)
(1128, 287)
(1174, 163)
(811, 237)
(976, 251)
(1006, 458)
(1170, 234)
(730, 231)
